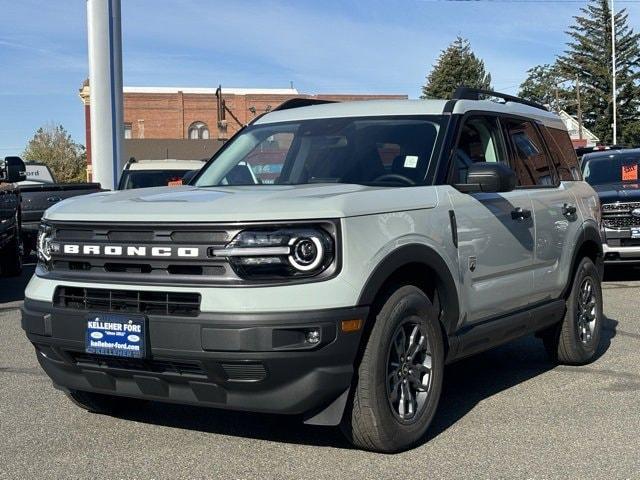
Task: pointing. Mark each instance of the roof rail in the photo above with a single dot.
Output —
(301, 102)
(468, 93)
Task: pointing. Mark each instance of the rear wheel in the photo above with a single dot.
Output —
(399, 379)
(104, 404)
(576, 339)
(11, 256)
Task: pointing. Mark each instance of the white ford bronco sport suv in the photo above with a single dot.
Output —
(373, 243)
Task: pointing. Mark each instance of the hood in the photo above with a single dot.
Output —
(618, 192)
(234, 204)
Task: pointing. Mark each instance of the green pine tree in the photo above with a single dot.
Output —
(588, 57)
(456, 66)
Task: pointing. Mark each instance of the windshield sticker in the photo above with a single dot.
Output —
(410, 161)
(630, 173)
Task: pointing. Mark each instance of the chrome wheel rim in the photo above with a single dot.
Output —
(587, 314)
(409, 370)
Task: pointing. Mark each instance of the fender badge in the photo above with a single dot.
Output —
(472, 263)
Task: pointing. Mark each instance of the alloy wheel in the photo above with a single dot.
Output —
(587, 311)
(409, 370)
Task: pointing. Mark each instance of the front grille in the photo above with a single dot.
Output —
(618, 215)
(203, 269)
(128, 301)
(155, 366)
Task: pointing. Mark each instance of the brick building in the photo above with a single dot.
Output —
(194, 122)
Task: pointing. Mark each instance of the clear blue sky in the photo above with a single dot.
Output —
(343, 46)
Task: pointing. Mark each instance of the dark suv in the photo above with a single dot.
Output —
(614, 175)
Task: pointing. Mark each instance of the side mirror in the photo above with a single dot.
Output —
(189, 176)
(488, 177)
(13, 170)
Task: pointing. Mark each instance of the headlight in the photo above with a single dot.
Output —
(44, 244)
(278, 253)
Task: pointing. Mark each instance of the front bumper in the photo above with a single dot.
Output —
(237, 361)
(620, 247)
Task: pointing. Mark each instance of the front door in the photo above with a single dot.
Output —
(496, 236)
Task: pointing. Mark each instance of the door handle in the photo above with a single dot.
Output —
(568, 209)
(520, 213)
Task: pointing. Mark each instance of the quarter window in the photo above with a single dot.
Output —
(562, 153)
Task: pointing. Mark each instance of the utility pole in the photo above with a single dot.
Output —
(613, 70)
(579, 108)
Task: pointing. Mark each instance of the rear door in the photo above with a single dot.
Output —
(495, 243)
(534, 160)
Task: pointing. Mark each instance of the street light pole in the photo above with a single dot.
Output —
(613, 71)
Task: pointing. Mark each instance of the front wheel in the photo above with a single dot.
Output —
(399, 379)
(576, 339)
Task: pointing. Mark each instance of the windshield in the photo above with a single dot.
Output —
(385, 151)
(151, 178)
(614, 168)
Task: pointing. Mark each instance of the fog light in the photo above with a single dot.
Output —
(313, 336)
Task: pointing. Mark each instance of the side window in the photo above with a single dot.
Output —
(563, 153)
(479, 141)
(529, 159)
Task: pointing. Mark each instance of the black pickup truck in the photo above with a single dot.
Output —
(12, 170)
(614, 174)
(39, 192)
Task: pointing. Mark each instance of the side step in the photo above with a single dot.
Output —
(492, 333)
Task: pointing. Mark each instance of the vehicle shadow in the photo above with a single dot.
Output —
(467, 383)
(621, 273)
(12, 289)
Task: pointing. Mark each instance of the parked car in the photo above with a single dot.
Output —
(12, 170)
(394, 238)
(156, 173)
(39, 191)
(614, 175)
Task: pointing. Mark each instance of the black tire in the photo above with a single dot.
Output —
(105, 404)
(371, 420)
(11, 257)
(575, 340)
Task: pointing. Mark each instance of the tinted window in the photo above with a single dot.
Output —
(529, 159)
(563, 154)
(613, 168)
(369, 151)
(479, 142)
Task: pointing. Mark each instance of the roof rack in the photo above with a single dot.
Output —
(468, 93)
(301, 102)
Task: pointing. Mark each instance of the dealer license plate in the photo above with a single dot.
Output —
(116, 335)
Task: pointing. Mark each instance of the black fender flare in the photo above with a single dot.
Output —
(590, 233)
(422, 254)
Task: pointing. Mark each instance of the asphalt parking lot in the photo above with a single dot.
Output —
(508, 413)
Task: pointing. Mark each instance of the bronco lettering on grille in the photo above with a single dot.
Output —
(129, 251)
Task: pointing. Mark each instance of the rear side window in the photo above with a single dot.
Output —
(528, 158)
(563, 154)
